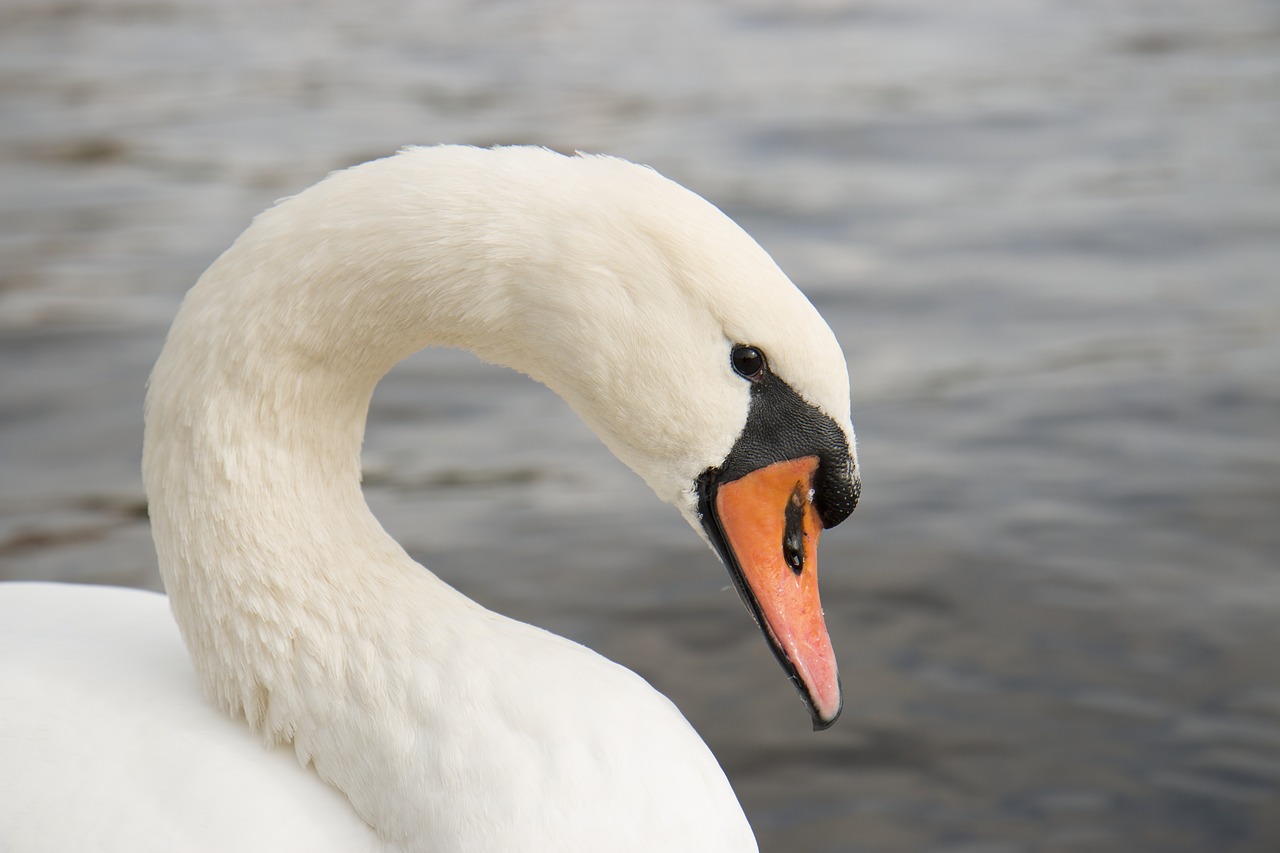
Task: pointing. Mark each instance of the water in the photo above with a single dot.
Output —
(1046, 233)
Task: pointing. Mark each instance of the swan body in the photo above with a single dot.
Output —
(107, 743)
(396, 713)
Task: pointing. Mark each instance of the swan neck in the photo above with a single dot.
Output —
(300, 613)
(255, 418)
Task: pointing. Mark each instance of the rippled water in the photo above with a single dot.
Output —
(1046, 233)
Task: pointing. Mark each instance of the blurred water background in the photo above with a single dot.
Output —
(1047, 233)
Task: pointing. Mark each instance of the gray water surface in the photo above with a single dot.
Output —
(1046, 233)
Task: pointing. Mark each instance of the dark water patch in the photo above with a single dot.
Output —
(864, 749)
(85, 151)
(27, 540)
(454, 479)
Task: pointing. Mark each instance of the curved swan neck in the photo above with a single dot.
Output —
(256, 413)
(299, 611)
(568, 269)
(268, 370)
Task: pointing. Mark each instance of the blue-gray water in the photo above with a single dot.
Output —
(1047, 234)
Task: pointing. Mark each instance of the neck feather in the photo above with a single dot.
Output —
(300, 612)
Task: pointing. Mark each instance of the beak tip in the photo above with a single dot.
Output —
(825, 719)
(821, 725)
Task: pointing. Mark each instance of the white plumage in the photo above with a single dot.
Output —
(436, 724)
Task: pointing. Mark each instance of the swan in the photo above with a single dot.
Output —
(396, 713)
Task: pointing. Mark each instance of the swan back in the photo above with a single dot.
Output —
(107, 743)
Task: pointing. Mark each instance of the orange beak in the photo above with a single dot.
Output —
(770, 534)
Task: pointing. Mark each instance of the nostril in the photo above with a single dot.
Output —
(793, 533)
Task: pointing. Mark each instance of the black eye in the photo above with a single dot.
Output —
(747, 361)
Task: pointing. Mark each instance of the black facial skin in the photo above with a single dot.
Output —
(781, 426)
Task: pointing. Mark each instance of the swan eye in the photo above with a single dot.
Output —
(748, 362)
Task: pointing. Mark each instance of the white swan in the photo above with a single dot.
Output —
(444, 727)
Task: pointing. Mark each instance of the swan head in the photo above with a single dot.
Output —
(678, 339)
